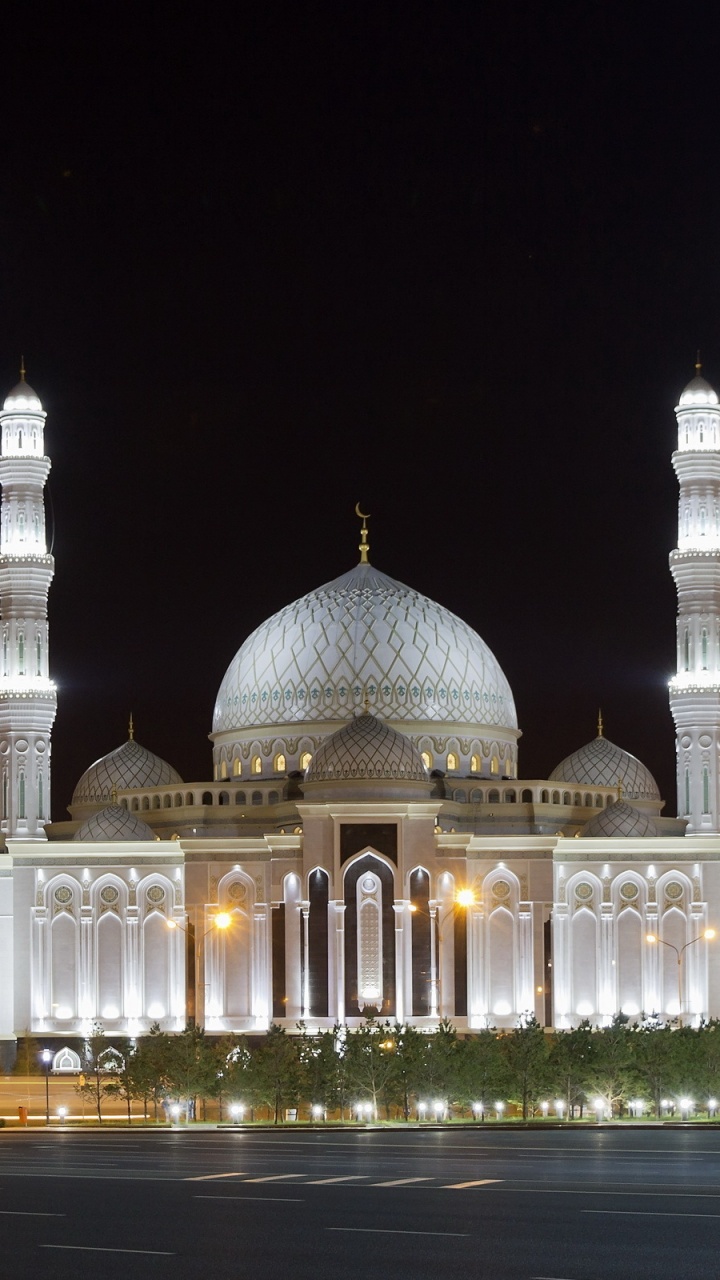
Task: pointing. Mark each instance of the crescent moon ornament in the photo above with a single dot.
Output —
(363, 547)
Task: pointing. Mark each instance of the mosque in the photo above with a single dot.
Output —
(367, 844)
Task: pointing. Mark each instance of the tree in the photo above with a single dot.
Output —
(192, 1066)
(483, 1075)
(130, 1081)
(94, 1083)
(568, 1064)
(370, 1060)
(525, 1051)
(655, 1060)
(274, 1071)
(609, 1071)
(27, 1062)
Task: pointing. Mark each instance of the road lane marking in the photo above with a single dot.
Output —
(399, 1182)
(28, 1213)
(209, 1177)
(345, 1177)
(654, 1195)
(277, 1177)
(386, 1231)
(459, 1186)
(91, 1248)
(241, 1199)
(649, 1213)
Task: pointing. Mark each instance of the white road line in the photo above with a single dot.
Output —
(345, 1177)
(649, 1213)
(654, 1195)
(210, 1177)
(28, 1213)
(399, 1182)
(242, 1199)
(383, 1231)
(90, 1248)
(277, 1177)
(459, 1186)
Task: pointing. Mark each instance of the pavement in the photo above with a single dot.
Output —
(605, 1204)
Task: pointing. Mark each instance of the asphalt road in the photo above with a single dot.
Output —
(507, 1205)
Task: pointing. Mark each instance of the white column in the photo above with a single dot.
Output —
(400, 912)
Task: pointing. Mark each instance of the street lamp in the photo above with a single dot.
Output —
(707, 934)
(62, 1112)
(237, 1111)
(559, 1107)
(46, 1056)
(464, 898)
(221, 920)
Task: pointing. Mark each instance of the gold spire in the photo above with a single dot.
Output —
(620, 789)
(113, 794)
(22, 368)
(364, 546)
(600, 723)
(698, 364)
(131, 728)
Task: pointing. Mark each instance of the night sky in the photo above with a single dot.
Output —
(450, 260)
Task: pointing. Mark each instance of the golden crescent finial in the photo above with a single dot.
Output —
(22, 368)
(698, 364)
(131, 728)
(600, 725)
(364, 546)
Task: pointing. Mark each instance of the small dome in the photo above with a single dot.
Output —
(114, 823)
(620, 819)
(22, 397)
(697, 392)
(367, 748)
(128, 766)
(601, 764)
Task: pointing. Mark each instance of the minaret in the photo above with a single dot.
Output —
(695, 567)
(27, 695)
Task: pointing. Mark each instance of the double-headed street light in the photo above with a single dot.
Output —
(707, 935)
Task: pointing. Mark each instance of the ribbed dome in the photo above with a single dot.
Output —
(601, 764)
(364, 635)
(114, 823)
(367, 748)
(620, 819)
(22, 397)
(697, 392)
(130, 765)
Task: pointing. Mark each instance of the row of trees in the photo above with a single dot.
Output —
(398, 1071)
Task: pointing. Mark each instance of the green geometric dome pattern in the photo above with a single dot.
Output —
(363, 636)
(601, 764)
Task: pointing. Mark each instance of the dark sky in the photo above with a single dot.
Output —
(450, 260)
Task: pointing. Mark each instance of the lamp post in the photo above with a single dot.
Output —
(464, 898)
(46, 1056)
(707, 934)
(221, 920)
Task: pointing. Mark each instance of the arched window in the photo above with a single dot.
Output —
(38, 655)
(702, 521)
(240, 797)
(223, 768)
(279, 763)
(21, 526)
(475, 764)
(527, 797)
(704, 648)
(20, 438)
(686, 648)
(556, 797)
(701, 427)
(427, 759)
(495, 765)
(706, 789)
(5, 652)
(5, 795)
(257, 797)
(509, 769)
(452, 760)
(566, 797)
(305, 759)
(493, 797)
(687, 792)
(36, 526)
(21, 654)
(21, 795)
(256, 765)
(273, 797)
(237, 767)
(41, 801)
(545, 797)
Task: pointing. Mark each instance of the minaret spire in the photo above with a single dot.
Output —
(28, 696)
(364, 547)
(695, 567)
(600, 723)
(131, 728)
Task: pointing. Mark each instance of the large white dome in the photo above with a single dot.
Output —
(364, 638)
